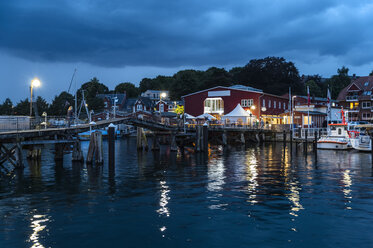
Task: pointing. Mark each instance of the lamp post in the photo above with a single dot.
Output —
(34, 83)
(292, 113)
(161, 95)
(45, 119)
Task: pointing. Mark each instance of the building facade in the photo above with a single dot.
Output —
(357, 98)
(221, 100)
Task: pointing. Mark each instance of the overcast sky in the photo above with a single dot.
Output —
(127, 40)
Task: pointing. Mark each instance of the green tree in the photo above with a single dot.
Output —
(186, 81)
(371, 73)
(272, 74)
(7, 107)
(91, 90)
(130, 89)
(315, 89)
(60, 104)
(41, 105)
(339, 81)
(216, 77)
(22, 108)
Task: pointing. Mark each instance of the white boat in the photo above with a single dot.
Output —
(337, 138)
(362, 143)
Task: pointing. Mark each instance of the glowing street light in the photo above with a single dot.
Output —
(34, 83)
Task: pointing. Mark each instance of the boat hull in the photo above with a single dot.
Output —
(330, 145)
(360, 145)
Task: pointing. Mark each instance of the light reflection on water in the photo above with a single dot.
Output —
(265, 195)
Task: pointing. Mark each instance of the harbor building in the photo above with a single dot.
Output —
(219, 101)
(357, 98)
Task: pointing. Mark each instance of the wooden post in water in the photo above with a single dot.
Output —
(224, 138)
(99, 149)
(19, 156)
(284, 138)
(111, 145)
(198, 139)
(77, 155)
(144, 140)
(58, 156)
(173, 147)
(91, 148)
(291, 138)
(306, 140)
(242, 138)
(315, 141)
(155, 146)
(205, 138)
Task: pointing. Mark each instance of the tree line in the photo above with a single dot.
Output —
(273, 75)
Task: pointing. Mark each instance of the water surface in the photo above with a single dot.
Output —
(258, 196)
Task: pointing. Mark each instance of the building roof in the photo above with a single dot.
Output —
(236, 87)
(361, 84)
(146, 101)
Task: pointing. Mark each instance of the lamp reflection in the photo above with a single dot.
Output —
(347, 186)
(294, 199)
(37, 226)
(252, 177)
(163, 202)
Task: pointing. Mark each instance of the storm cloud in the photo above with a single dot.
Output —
(172, 33)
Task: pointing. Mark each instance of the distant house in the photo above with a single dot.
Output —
(155, 95)
(167, 106)
(111, 100)
(143, 104)
(357, 98)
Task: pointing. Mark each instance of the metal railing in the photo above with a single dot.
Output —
(300, 133)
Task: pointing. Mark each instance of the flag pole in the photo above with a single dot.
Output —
(308, 114)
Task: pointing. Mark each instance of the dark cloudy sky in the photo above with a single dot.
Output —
(127, 40)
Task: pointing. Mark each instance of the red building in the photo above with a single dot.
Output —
(220, 100)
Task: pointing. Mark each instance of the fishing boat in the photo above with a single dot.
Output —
(360, 139)
(337, 137)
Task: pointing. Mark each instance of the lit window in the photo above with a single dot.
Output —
(247, 102)
(214, 105)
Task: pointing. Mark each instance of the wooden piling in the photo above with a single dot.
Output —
(155, 145)
(284, 138)
(91, 149)
(99, 149)
(205, 138)
(242, 138)
(224, 138)
(19, 156)
(306, 140)
(58, 155)
(173, 146)
(77, 155)
(111, 145)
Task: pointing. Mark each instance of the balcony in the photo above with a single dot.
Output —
(354, 110)
(352, 98)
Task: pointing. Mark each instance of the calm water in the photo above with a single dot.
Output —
(261, 196)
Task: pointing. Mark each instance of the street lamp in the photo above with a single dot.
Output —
(45, 119)
(161, 95)
(34, 83)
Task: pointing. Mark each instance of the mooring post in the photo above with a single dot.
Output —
(155, 145)
(144, 140)
(91, 148)
(242, 138)
(111, 140)
(198, 139)
(19, 156)
(306, 140)
(291, 138)
(58, 156)
(224, 138)
(139, 138)
(205, 138)
(173, 147)
(99, 148)
(284, 138)
(315, 141)
(77, 155)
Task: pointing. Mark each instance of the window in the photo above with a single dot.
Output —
(269, 103)
(139, 107)
(284, 105)
(214, 105)
(366, 116)
(367, 93)
(247, 102)
(366, 83)
(274, 104)
(264, 102)
(161, 107)
(366, 105)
